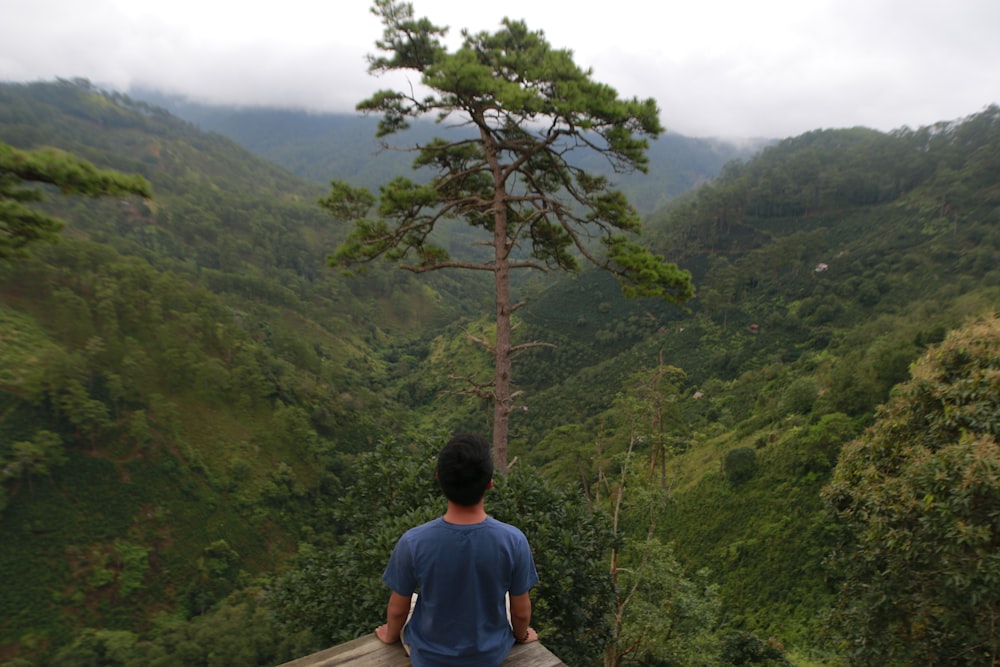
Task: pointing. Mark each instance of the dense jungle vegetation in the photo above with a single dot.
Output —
(209, 440)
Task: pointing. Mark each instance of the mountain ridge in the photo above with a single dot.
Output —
(312, 145)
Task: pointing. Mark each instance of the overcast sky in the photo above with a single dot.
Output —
(734, 68)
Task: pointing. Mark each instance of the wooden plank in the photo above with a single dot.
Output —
(368, 651)
(531, 655)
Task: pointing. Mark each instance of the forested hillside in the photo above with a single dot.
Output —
(202, 426)
(181, 377)
(825, 267)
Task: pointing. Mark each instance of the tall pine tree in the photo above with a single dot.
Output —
(524, 112)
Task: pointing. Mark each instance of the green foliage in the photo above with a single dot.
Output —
(395, 490)
(828, 346)
(156, 344)
(764, 540)
(240, 631)
(671, 616)
(920, 494)
(660, 613)
(34, 457)
(745, 648)
(98, 648)
(569, 542)
(505, 83)
(800, 396)
(134, 565)
(515, 179)
(21, 225)
(824, 172)
(739, 464)
(814, 449)
(209, 380)
(646, 275)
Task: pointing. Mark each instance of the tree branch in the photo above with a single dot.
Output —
(520, 347)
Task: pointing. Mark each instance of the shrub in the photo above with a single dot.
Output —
(739, 465)
(920, 496)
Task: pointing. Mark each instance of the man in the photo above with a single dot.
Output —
(464, 565)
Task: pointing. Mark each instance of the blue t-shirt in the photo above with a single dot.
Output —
(462, 573)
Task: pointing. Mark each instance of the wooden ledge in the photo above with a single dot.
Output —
(368, 651)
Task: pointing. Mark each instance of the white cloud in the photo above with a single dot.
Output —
(716, 67)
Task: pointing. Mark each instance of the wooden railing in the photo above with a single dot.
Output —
(368, 651)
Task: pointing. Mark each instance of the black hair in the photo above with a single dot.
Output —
(465, 469)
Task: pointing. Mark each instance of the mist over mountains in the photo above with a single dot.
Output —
(319, 147)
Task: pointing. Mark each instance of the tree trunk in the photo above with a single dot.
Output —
(502, 399)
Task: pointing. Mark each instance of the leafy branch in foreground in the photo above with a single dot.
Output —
(20, 224)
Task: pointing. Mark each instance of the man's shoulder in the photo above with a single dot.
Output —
(508, 528)
(423, 528)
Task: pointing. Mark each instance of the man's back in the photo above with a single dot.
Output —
(463, 573)
(463, 565)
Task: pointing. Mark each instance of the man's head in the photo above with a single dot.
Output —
(465, 469)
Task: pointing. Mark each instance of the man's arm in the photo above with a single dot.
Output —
(395, 616)
(520, 618)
